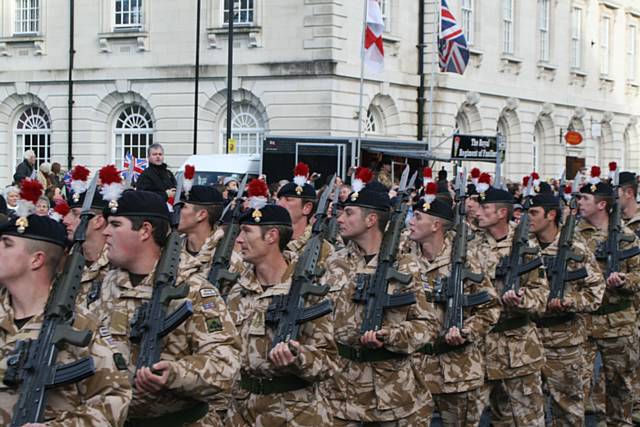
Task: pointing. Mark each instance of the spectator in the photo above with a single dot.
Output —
(43, 174)
(43, 206)
(3, 211)
(11, 195)
(56, 175)
(54, 194)
(345, 190)
(25, 169)
(157, 177)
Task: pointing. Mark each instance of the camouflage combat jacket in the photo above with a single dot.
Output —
(634, 224)
(100, 400)
(384, 390)
(92, 278)
(297, 247)
(514, 352)
(619, 323)
(584, 295)
(462, 367)
(203, 351)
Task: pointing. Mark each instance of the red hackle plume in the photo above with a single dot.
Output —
(525, 180)
(427, 172)
(364, 174)
(431, 189)
(613, 166)
(189, 171)
(301, 169)
(79, 173)
(62, 208)
(109, 175)
(475, 173)
(595, 171)
(31, 190)
(257, 188)
(485, 178)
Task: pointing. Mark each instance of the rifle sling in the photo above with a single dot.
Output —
(509, 324)
(612, 308)
(280, 384)
(364, 355)
(182, 417)
(440, 347)
(547, 322)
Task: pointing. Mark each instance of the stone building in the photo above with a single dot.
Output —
(538, 67)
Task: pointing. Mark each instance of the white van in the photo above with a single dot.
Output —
(211, 169)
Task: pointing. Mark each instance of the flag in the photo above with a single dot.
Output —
(67, 181)
(452, 45)
(139, 165)
(373, 46)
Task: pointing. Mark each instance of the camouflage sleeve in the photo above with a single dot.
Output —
(631, 266)
(482, 317)
(587, 294)
(536, 292)
(214, 343)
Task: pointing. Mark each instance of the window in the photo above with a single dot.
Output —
(33, 132)
(507, 26)
(468, 26)
(27, 17)
(133, 133)
(576, 37)
(384, 8)
(128, 14)
(632, 56)
(543, 30)
(244, 12)
(605, 31)
(371, 122)
(246, 129)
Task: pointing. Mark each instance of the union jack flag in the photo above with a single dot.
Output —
(139, 165)
(452, 45)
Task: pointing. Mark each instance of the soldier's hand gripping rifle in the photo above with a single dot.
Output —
(287, 312)
(452, 293)
(32, 364)
(150, 322)
(513, 266)
(373, 290)
(219, 274)
(610, 249)
(557, 269)
(331, 229)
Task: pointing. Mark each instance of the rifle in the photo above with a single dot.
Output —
(557, 269)
(609, 250)
(287, 312)
(372, 291)
(453, 293)
(331, 229)
(219, 274)
(512, 266)
(32, 364)
(150, 322)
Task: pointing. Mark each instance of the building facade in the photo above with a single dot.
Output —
(297, 72)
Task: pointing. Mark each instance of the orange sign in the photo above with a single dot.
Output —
(573, 138)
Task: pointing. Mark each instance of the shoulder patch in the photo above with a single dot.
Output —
(208, 292)
(214, 324)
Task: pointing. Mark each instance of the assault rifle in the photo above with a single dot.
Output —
(557, 270)
(219, 274)
(331, 229)
(287, 312)
(609, 250)
(32, 364)
(150, 322)
(372, 291)
(512, 266)
(452, 293)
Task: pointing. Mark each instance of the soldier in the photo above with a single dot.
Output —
(453, 366)
(200, 358)
(612, 328)
(299, 199)
(513, 350)
(29, 259)
(279, 384)
(375, 382)
(562, 331)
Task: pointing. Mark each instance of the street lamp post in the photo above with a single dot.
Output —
(232, 17)
(197, 81)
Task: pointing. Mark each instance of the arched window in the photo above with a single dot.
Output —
(373, 122)
(33, 132)
(538, 141)
(246, 129)
(133, 133)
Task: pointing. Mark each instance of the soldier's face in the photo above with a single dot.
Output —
(187, 218)
(253, 246)
(421, 227)
(13, 258)
(472, 205)
(124, 243)
(537, 220)
(71, 221)
(352, 222)
(488, 215)
(587, 205)
(293, 205)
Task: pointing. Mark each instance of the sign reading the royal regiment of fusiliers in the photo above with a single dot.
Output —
(474, 147)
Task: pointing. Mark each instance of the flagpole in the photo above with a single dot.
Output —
(361, 92)
(434, 62)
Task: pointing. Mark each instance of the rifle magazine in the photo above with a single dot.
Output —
(73, 372)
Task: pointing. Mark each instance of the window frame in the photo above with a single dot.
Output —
(131, 26)
(605, 45)
(120, 134)
(576, 38)
(508, 28)
(38, 20)
(632, 51)
(467, 20)
(41, 134)
(247, 138)
(544, 30)
(253, 9)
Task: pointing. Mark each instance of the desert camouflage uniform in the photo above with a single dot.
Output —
(563, 336)
(513, 350)
(92, 278)
(634, 224)
(385, 391)
(203, 351)
(100, 400)
(612, 331)
(248, 303)
(297, 247)
(455, 375)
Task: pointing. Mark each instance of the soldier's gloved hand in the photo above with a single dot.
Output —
(616, 279)
(557, 304)
(455, 337)
(282, 356)
(147, 381)
(512, 298)
(374, 339)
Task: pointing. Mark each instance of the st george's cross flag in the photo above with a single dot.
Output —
(452, 45)
(373, 46)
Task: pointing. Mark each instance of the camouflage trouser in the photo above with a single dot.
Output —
(420, 418)
(636, 377)
(619, 361)
(563, 384)
(593, 387)
(462, 409)
(516, 402)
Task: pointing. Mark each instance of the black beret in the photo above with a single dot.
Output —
(443, 187)
(544, 187)
(77, 200)
(438, 207)
(599, 189)
(497, 195)
(369, 198)
(140, 203)
(268, 215)
(545, 199)
(40, 228)
(203, 195)
(627, 178)
(471, 190)
(307, 191)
